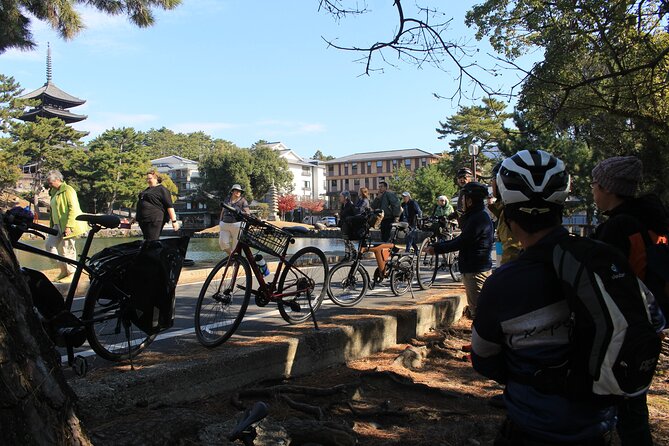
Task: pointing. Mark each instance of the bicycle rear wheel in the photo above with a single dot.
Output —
(222, 302)
(347, 284)
(305, 275)
(109, 328)
(401, 275)
(426, 266)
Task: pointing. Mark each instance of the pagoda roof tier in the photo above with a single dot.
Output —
(55, 94)
(51, 112)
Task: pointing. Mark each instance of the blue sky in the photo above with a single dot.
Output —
(250, 70)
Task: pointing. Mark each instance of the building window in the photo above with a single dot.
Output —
(346, 184)
(307, 185)
(331, 170)
(306, 171)
(379, 166)
(407, 163)
(346, 169)
(367, 183)
(356, 182)
(334, 184)
(423, 162)
(354, 168)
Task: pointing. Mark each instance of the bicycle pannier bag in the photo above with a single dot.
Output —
(148, 272)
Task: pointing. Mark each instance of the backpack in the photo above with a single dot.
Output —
(649, 258)
(614, 346)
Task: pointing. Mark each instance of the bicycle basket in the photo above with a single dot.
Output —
(265, 238)
(430, 225)
(354, 227)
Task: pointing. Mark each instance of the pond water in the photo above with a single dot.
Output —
(199, 249)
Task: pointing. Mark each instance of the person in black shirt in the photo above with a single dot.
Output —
(230, 223)
(154, 208)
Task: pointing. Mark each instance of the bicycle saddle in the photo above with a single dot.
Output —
(295, 230)
(106, 221)
(401, 225)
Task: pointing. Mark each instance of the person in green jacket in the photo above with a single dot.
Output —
(64, 210)
(388, 202)
(443, 208)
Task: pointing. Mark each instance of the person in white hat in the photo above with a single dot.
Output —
(230, 223)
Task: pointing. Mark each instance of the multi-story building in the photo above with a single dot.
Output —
(190, 207)
(368, 169)
(308, 174)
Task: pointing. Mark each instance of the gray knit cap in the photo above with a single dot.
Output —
(620, 175)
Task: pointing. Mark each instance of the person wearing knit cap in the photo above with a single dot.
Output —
(615, 183)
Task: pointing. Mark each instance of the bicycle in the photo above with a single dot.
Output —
(114, 320)
(429, 266)
(348, 281)
(298, 282)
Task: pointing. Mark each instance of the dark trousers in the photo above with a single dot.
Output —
(386, 226)
(511, 435)
(632, 427)
(150, 229)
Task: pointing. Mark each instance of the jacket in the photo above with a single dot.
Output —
(347, 210)
(510, 246)
(522, 323)
(389, 204)
(442, 211)
(474, 242)
(411, 212)
(65, 209)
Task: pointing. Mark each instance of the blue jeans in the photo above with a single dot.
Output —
(410, 240)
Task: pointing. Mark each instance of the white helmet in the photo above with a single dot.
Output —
(533, 175)
(442, 197)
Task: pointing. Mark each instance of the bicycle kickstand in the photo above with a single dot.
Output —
(311, 310)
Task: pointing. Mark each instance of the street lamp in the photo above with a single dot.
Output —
(474, 151)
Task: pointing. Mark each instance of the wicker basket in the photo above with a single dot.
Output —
(265, 238)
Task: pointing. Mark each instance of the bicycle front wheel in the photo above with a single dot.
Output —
(401, 275)
(110, 330)
(223, 300)
(303, 278)
(426, 266)
(347, 284)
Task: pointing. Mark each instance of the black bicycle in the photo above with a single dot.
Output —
(129, 300)
(430, 267)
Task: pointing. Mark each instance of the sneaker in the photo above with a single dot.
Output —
(66, 279)
(467, 348)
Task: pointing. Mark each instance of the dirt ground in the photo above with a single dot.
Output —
(423, 393)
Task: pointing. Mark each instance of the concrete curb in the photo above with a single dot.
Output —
(235, 365)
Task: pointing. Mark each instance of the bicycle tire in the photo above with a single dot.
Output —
(401, 277)
(106, 317)
(456, 275)
(219, 311)
(338, 284)
(426, 266)
(307, 263)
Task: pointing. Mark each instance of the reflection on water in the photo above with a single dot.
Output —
(199, 249)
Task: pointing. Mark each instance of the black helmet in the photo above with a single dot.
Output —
(495, 170)
(464, 171)
(475, 191)
(533, 175)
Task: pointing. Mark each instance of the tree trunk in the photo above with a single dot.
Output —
(37, 405)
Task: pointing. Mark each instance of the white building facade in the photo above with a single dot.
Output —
(308, 175)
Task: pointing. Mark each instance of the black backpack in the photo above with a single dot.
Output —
(614, 346)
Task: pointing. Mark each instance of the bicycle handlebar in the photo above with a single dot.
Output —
(242, 215)
(26, 225)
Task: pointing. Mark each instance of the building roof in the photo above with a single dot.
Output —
(49, 90)
(382, 155)
(174, 162)
(51, 112)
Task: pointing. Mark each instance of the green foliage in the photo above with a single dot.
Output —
(116, 168)
(401, 180)
(483, 125)
(430, 182)
(224, 166)
(165, 142)
(319, 156)
(63, 17)
(267, 167)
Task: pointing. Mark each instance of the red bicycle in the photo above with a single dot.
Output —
(297, 287)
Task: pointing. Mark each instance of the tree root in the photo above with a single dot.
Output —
(403, 412)
(403, 381)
